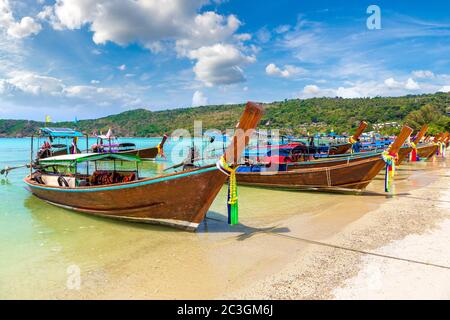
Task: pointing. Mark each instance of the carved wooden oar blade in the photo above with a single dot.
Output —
(163, 141)
(401, 138)
(362, 126)
(249, 120)
(421, 133)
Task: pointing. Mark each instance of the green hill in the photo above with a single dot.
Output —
(291, 116)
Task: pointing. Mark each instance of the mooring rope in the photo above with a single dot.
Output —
(358, 251)
(334, 246)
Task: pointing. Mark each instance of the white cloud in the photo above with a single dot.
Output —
(445, 89)
(411, 85)
(392, 83)
(311, 89)
(34, 84)
(209, 28)
(243, 36)
(25, 27)
(199, 99)
(219, 64)
(122, 67)
(423, 74)
(28, 84)
(208, 37)
(282, 29)
(371, 88)
(288, 71)
(263, 35)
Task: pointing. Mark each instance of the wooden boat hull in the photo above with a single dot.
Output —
(339, 149)
(423, 151)
(354, 175)
(180, 200)
(426, 151)
(332, 161)
(145, 153)
(403, 154)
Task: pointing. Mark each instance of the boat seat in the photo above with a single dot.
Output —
(111, 177)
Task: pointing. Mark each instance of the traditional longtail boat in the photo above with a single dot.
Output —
(352, 175)
(333, 160)
(179, 199)
(57, 141)
(343, 148)
(413, 148)
(297, 149)
(113, 146)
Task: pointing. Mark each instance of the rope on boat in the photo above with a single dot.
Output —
(413, 156)
(161, 151)
(232, 205)
(441, 149)
(352, 141)
(389, 159)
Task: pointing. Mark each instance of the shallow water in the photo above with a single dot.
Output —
(39, 242)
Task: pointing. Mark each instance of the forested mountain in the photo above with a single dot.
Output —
(291, 116)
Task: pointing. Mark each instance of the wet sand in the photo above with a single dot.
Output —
(289, 245)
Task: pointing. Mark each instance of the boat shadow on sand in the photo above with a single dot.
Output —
(242, 231)
(58, 218)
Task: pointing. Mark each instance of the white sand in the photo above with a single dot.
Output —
(413, 226)
(381, 278)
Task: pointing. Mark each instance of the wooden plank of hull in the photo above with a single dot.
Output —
(182, 201)
(340, 148)
(426, 151)
(403, 154)
(145, 153)
(343, 148)
(355, 175)
(330, 162)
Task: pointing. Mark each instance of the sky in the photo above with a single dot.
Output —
(92, 58)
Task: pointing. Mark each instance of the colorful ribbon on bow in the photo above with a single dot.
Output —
(352, 141)
(441, 149)
(389, 159)
(413, 154)
(161, 151)
(232, 204)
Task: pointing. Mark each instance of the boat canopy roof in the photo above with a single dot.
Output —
(60, 132)
(84, 157)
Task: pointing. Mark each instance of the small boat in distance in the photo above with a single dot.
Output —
(57, 141)
(179, 199)
(110, 144)
(295, 150)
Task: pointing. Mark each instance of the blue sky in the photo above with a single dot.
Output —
(91, 58)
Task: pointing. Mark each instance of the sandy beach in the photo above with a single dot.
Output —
(398, 251)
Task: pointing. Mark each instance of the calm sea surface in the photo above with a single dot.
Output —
(40, 243)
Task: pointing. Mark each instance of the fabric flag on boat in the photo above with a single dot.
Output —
(48, 119)
(232, 198)
(389, 159)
